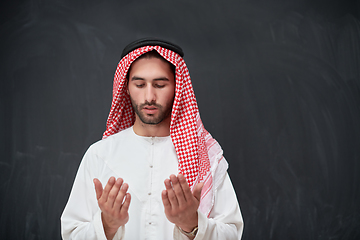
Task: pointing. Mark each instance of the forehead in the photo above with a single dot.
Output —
(151, 65)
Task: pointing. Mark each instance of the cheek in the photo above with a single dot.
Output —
(134, 95)
(170, 96)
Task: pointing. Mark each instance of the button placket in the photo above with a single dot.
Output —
(151, 166)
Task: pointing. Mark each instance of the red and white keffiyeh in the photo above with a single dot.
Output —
(199, 155)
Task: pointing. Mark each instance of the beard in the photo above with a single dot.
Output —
(153, 119)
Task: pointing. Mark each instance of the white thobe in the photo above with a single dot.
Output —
(144, 163)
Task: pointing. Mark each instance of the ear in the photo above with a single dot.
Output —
(127, 86)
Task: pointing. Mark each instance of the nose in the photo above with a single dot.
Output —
(150, 95)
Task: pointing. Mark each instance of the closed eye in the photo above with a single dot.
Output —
(159, 85)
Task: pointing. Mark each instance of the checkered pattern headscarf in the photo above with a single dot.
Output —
(199, 155)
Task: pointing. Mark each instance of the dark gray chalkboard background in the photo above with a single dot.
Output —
(277, 83)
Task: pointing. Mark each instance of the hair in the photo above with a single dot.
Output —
(153, 54)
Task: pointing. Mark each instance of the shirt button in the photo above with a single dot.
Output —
(149, 193)
(151, 166)
(152, 143)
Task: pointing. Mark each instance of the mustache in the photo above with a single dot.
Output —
(148, 104)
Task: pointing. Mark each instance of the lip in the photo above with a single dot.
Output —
(150, 109)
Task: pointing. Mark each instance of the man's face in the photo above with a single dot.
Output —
(151, 86)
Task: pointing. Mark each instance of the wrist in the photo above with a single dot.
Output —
(187, 229)
(190, 224)
(109, 229)
(191, 233)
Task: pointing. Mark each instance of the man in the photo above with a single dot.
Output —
(154, 140)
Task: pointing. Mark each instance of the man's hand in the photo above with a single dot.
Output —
(114, 209)
(180, 203)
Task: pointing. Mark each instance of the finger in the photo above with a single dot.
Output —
(197, 190)
(120, 197)
(165, 199)
(171, 194)
(107, 189)
(98, 188)
(114, 192)
(185, 187)
(125, 206)
(178, 190)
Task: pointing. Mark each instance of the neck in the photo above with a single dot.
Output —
(152, 130)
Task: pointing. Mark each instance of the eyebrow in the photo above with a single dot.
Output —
(155, 79)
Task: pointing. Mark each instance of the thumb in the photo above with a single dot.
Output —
(98, 188)
(197, 190)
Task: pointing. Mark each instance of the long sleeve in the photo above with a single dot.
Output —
(140, 162)
(225, 220)
(81, 218)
